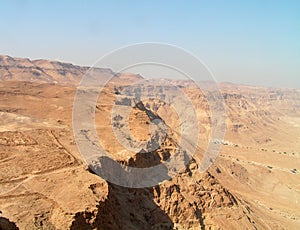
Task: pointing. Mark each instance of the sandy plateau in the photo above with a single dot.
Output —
(46, 184)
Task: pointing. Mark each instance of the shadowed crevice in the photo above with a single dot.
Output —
(6, 224)
(125, 208)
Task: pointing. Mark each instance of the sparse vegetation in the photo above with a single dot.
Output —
(294, 171)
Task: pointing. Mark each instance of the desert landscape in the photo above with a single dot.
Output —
(45, 183)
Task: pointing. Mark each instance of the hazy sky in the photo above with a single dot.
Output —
(252, 42)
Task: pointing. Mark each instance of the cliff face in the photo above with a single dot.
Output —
(182, 203)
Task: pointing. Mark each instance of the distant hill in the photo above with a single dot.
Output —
(47, 71)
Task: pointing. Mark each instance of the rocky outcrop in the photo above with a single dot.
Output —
(190, 200)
